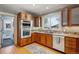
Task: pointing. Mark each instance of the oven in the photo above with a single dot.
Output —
(26, 28)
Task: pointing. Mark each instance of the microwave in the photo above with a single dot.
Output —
(26, 28)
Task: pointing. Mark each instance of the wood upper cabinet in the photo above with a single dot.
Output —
(70, 16)
(37, 21)
(71, 45)
(49, 40)
(64, 14)
(75, 16)
(22, 15)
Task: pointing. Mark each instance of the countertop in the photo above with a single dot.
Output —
(62, 34)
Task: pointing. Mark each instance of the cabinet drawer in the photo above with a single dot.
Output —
(70, 40)
(23, 41)
(70, 50)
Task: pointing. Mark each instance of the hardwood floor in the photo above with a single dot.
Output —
(22, 50)
(14, 50)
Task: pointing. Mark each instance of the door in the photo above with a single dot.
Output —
(7, 31)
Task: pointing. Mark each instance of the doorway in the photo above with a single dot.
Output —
(6, 30)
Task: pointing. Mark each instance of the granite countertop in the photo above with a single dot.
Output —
(63, 34)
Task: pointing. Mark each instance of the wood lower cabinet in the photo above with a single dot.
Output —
(28, 40)
(38, 40)
(71, 45)
(34, 37)
(49, 40)
(24, 41)
(43, 39)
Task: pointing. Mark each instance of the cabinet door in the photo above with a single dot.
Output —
(34, 37)
(21, 15)
(70, 45)
(28, 40)
(75, 16)
(70, 50)
(70, 42)
(38, 38)
(37, 21)
(64, 17)
(49, 40)
(23, 42)
(43, 39)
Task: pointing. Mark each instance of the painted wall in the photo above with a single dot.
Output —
(72, 29)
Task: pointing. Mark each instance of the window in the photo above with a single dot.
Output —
(52, 21)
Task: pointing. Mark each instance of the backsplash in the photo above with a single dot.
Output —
(71, 29)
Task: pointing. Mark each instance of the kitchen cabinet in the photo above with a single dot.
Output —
(75, 16)
(22, 16)
(38, 40)
(37, 21)
(71, 45)
(24, 41)
(49, 40)
(34, 37)
(43, 39)
(28, 40)
(70, 16)
(65, 17)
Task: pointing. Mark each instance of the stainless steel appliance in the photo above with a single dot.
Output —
(58, 42)
(26, 28)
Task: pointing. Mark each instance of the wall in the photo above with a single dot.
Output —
(72, 29)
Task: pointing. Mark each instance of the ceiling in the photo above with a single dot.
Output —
(36, 9)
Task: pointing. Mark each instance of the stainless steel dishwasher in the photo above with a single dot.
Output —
(58, 42)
